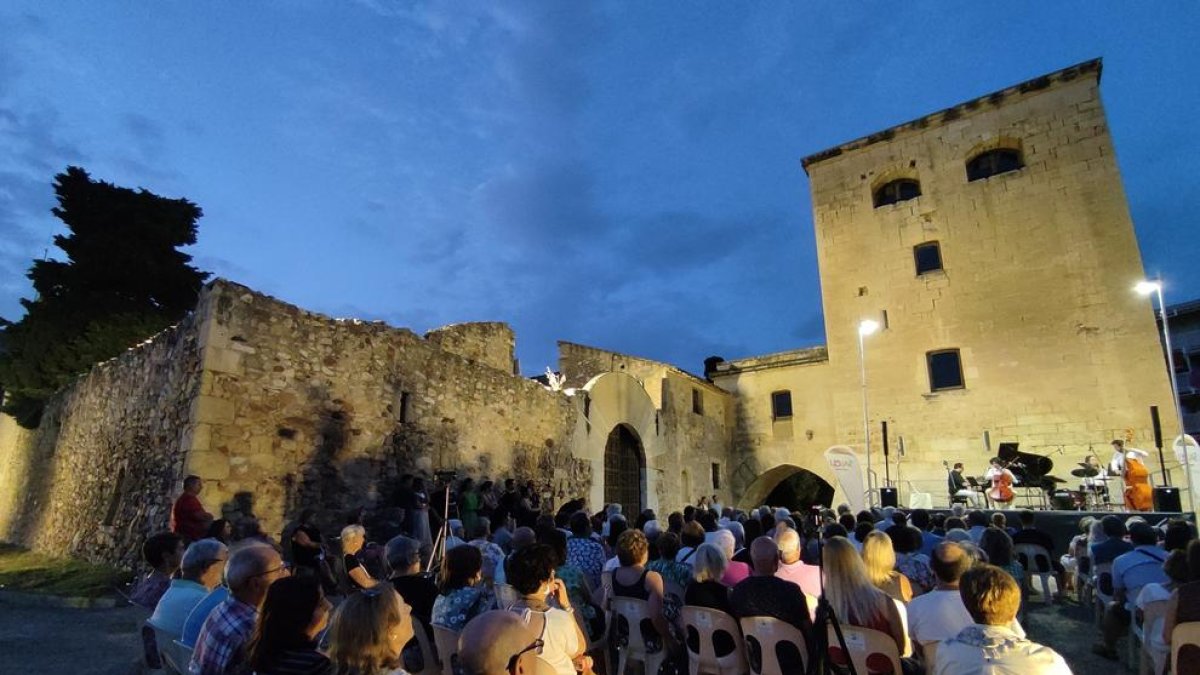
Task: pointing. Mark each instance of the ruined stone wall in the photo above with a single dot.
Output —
(298, 410)
(97, 475)
(695, 441)
(488, 343)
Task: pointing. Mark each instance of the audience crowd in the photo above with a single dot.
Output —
(526, 590)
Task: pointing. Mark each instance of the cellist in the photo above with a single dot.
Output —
(1002, 481)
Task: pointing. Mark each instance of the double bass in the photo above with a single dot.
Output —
(1138, 495)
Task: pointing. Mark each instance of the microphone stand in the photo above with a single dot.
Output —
(819, 663)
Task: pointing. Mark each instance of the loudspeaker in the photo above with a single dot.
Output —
(1166, 500)
(889, 496)
(885, 440)
(987, 442)
(1157, 426)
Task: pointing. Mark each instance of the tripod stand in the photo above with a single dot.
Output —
(439, 544)
(826, 617)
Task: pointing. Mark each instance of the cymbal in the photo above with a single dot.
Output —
(1086, 471)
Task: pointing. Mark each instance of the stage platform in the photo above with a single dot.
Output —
(1064, 525)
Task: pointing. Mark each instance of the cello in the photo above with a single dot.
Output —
(1002, 482)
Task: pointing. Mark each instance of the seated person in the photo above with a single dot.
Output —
(531, 573)
(1029, 534)
(795, 570)
(163, 552)
(855, 600)
(462, 595)
(202, 566)
(499, 642)
(631, 579)
(940, 614)
(764, 594)
(1130, 572)
(285, 638)
(992, 598)
(221, 646)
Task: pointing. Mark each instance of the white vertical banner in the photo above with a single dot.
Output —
(1190, 461)
(844, 463)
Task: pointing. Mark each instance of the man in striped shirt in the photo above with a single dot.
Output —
(221, 647)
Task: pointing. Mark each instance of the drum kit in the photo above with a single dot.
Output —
(1092, 494)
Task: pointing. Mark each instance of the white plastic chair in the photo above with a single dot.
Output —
(634, 612)
(506, 596)
(929, 654)
(429, 658)
(707, 622)
(1186, 633)
(1100, 598)
(1028, 555)
(1148, 659)
(447, 647)
(865, 642)
(763, 635)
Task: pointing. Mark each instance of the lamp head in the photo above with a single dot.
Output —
(1147, 287)
(867, 327)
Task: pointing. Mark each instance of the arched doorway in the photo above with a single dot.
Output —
(789, 486)
(624, 468)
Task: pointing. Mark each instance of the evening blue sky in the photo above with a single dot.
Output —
(625, 175)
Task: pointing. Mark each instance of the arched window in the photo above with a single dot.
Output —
(899, 190)
(992, 162)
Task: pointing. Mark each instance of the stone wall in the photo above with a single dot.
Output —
(488, 343)
(98, 474)
(297, 410)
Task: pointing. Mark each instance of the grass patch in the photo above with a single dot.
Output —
(23, 570)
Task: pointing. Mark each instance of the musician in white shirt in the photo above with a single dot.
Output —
(998, 469)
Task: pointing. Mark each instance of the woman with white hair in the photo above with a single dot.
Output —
(353, 538)
(734, 571)
(706, 590)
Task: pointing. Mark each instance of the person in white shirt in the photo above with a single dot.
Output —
(989, 646)
(940, 614)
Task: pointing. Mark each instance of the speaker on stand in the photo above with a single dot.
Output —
(1166, 500)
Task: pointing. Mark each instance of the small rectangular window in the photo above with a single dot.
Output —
(716, 476)
(1181, 361)
(928, 257)
(781, 405)
(405, 407)
(945, 370)
(697, 402)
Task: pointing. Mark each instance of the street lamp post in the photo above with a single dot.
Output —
(866, 327)
(1146, 288)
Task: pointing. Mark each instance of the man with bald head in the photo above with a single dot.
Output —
(221, 647)
(764, 594)
(792, 568)
(941, 614)
(499, 643)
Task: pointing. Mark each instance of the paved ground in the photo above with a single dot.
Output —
(69, 641)
(1070, 630)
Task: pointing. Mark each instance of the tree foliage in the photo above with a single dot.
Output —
(123, 280)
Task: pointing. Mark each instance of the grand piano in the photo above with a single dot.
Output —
(1032, 472)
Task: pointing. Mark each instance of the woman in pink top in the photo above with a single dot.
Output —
(736, 571)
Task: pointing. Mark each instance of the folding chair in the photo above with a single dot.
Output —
(172, 658)
(447, 647)
(633, 612)
(929, 654)
(1146, 658)
(1187, 633)
(764, 637)
(1103, 590)
(864, 643)
(1036, 561)
(429, 658)
(706, 624)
